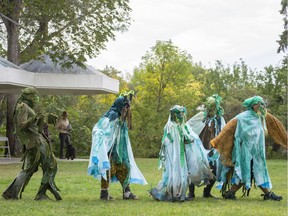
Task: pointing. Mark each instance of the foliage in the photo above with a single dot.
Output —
(81, 192)
(65, 30)
(74, 29)
(84, 112)
(165, 77)
(162, 80)
(283, 43)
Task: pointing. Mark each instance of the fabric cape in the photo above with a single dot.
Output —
(106, 135)
(182, 163)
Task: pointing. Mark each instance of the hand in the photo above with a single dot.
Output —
(51, 118)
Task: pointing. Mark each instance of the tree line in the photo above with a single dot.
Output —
(166, 75)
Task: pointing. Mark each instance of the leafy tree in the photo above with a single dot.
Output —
(163, 79)
(84, 111)
(74, 29)
(66, 30)
(284, 36)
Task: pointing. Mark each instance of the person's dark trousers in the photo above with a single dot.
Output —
(64, 140)
(70, 152)
(207, 189)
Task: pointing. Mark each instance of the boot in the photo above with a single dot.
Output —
(272, 196)
(9, 195)
(229, 195)
(41, 195)
(207, 190)
(104, 195)
(191, 194)
(128, 195)
(11, 192)
(16, 188)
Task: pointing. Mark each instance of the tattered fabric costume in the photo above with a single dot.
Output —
(241, 145)
(182, 158)
(36, 149)
(207, 125)
(111, 157)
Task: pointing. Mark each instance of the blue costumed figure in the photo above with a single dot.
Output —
(207, 124)
(111, 157)
(182, 158)
(241, 145)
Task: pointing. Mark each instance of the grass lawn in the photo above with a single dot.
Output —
(80, 194)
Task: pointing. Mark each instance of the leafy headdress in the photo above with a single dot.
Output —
(213, 103)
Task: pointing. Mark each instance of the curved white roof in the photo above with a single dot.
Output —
(49, 78)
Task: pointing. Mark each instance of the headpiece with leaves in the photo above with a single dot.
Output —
(213, 104)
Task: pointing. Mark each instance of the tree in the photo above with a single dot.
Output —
(66, 30)
(283, 41)
(74, 29)
(84, 112)
(164, 78)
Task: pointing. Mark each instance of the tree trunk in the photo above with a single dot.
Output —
(10, 126)
(13, 53)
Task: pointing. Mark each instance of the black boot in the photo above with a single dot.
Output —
(105, 196)
(229, 195)
(207, 190)
(191, 194)
(272, 196)
(128, 195)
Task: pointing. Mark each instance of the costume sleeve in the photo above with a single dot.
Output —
(276, 130)
(22, 117)
(224, 142)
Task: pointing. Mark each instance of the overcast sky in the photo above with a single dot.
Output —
(225, 30)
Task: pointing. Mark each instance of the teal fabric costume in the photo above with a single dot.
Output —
(36, 150)
(241, 145)
(111, 148)
(182, 158)
(249, 145)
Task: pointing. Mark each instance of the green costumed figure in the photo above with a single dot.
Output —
(207, 124)
(35, 147)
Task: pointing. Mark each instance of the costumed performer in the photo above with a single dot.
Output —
(182, 158)
(241, 145)
(207, 125)
(35, 147)
(111, 157)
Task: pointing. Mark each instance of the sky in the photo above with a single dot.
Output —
(224, 30)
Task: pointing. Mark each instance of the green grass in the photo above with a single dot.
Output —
(80, 194)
